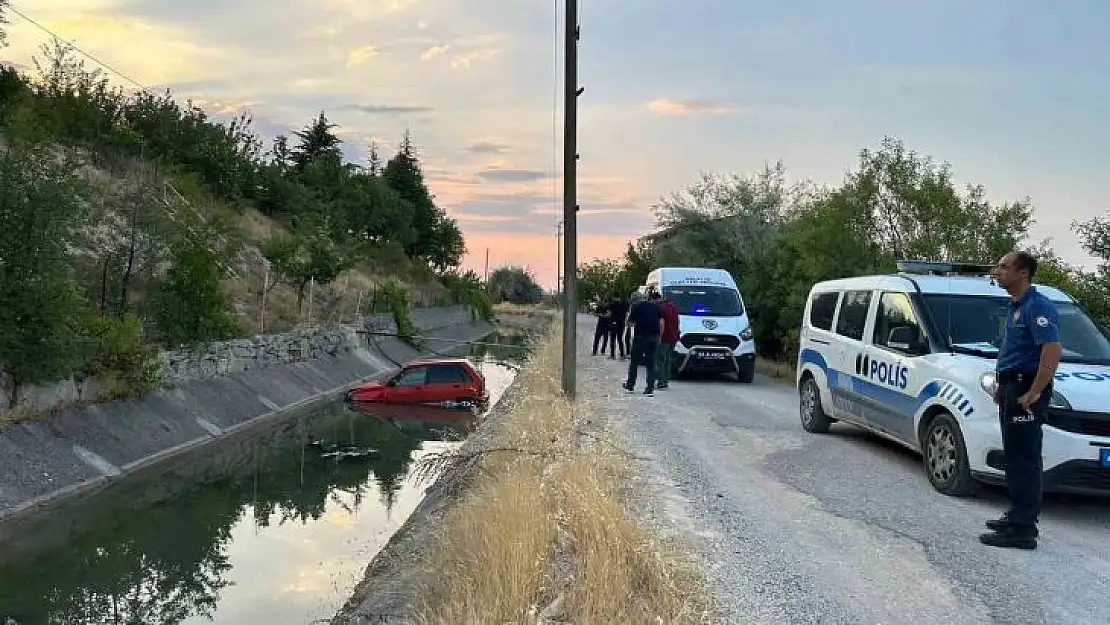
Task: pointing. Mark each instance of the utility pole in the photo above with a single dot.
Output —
(570, 203)
(486, 278)
(559, 259)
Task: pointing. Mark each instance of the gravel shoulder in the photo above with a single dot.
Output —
(836, 528)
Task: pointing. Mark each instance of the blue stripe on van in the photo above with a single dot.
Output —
(905, 405)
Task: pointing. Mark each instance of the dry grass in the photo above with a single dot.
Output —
(341, 301)
(545, 520)
(257, 228)
(784, 371)
(521, 310)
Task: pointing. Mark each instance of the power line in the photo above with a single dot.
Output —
(74, 47)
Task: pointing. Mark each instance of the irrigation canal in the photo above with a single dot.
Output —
(276, 529)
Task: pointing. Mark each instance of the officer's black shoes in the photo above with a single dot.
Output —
(626, 386)
(999, 524)
(662, 385)
(1002, 524)
(649, 391)
(1008, 540)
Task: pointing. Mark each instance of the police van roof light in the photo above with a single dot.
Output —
(943, 268)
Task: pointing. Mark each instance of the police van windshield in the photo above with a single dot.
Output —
(703, 300)
(977, 324)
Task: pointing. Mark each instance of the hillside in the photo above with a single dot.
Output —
(132, 222)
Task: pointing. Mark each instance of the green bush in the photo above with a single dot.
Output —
(121, 357)
(467, 289)
(398, 299)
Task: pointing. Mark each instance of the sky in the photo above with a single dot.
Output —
(1011, 93)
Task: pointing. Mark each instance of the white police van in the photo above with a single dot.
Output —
(715, 333)
(911, 357)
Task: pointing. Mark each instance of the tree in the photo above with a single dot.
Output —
(515, 285)
(777, 239)
(446, 247)
(190, 306)
(405, 176)
(375, 213)
(300, 259)
(316, 141)
(41, 210)
(600, 280)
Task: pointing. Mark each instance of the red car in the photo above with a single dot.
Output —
(442, 382)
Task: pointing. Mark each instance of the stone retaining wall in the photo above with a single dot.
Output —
(236, 355)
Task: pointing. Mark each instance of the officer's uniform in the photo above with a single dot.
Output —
(1031, 322)
(602, 330)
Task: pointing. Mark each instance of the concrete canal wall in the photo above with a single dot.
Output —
(222, 391)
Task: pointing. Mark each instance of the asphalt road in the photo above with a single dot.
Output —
(836, 528)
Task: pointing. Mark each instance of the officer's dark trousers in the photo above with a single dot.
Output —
(1021, 444)
(616, 339)
(643, 353)
(601, 335)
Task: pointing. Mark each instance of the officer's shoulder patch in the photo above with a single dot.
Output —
(1042, 321)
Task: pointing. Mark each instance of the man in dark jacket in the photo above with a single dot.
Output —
(647, 320)
(618, 311)
(603, 329)
(667, 342)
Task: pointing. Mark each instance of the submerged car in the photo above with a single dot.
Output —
(440, 382)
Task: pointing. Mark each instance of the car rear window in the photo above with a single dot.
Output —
(447, 374)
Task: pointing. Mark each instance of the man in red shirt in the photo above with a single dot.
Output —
(666, 342)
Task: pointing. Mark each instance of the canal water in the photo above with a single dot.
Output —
(271, 531)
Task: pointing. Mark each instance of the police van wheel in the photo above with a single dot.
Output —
(746, 375)
(812, 413)
(945, 457)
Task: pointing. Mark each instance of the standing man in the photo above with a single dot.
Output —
(1026, 365)
(602, 330)
(667, 342)
(635, 297)
(618, 313)
(647, 319)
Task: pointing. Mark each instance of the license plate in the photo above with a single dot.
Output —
(712, 355)
(1104, 457)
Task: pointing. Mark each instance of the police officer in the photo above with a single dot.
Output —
(647, 319)
(1026, 365)
(618, 314)
(602, 330)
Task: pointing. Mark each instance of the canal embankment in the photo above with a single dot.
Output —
(276, 527)
(215, 393)
(527, 522)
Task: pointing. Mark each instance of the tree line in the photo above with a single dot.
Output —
(101, 263)
(779, 238)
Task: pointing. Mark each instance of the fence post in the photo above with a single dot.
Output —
(311, 285)
(262, 308)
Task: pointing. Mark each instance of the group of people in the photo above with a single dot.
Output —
(644, 331)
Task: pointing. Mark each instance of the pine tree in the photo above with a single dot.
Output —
(374, 160)
(281, 157)
(317, 141)
(404, 175)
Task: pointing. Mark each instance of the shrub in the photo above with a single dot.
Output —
(121, 357)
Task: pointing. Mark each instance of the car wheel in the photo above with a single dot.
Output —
(746, 375)
(812, 413)
(945, 458)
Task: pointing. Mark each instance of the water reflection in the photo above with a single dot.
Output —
(277, 529)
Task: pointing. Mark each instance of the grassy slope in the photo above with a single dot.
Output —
(112, 193)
